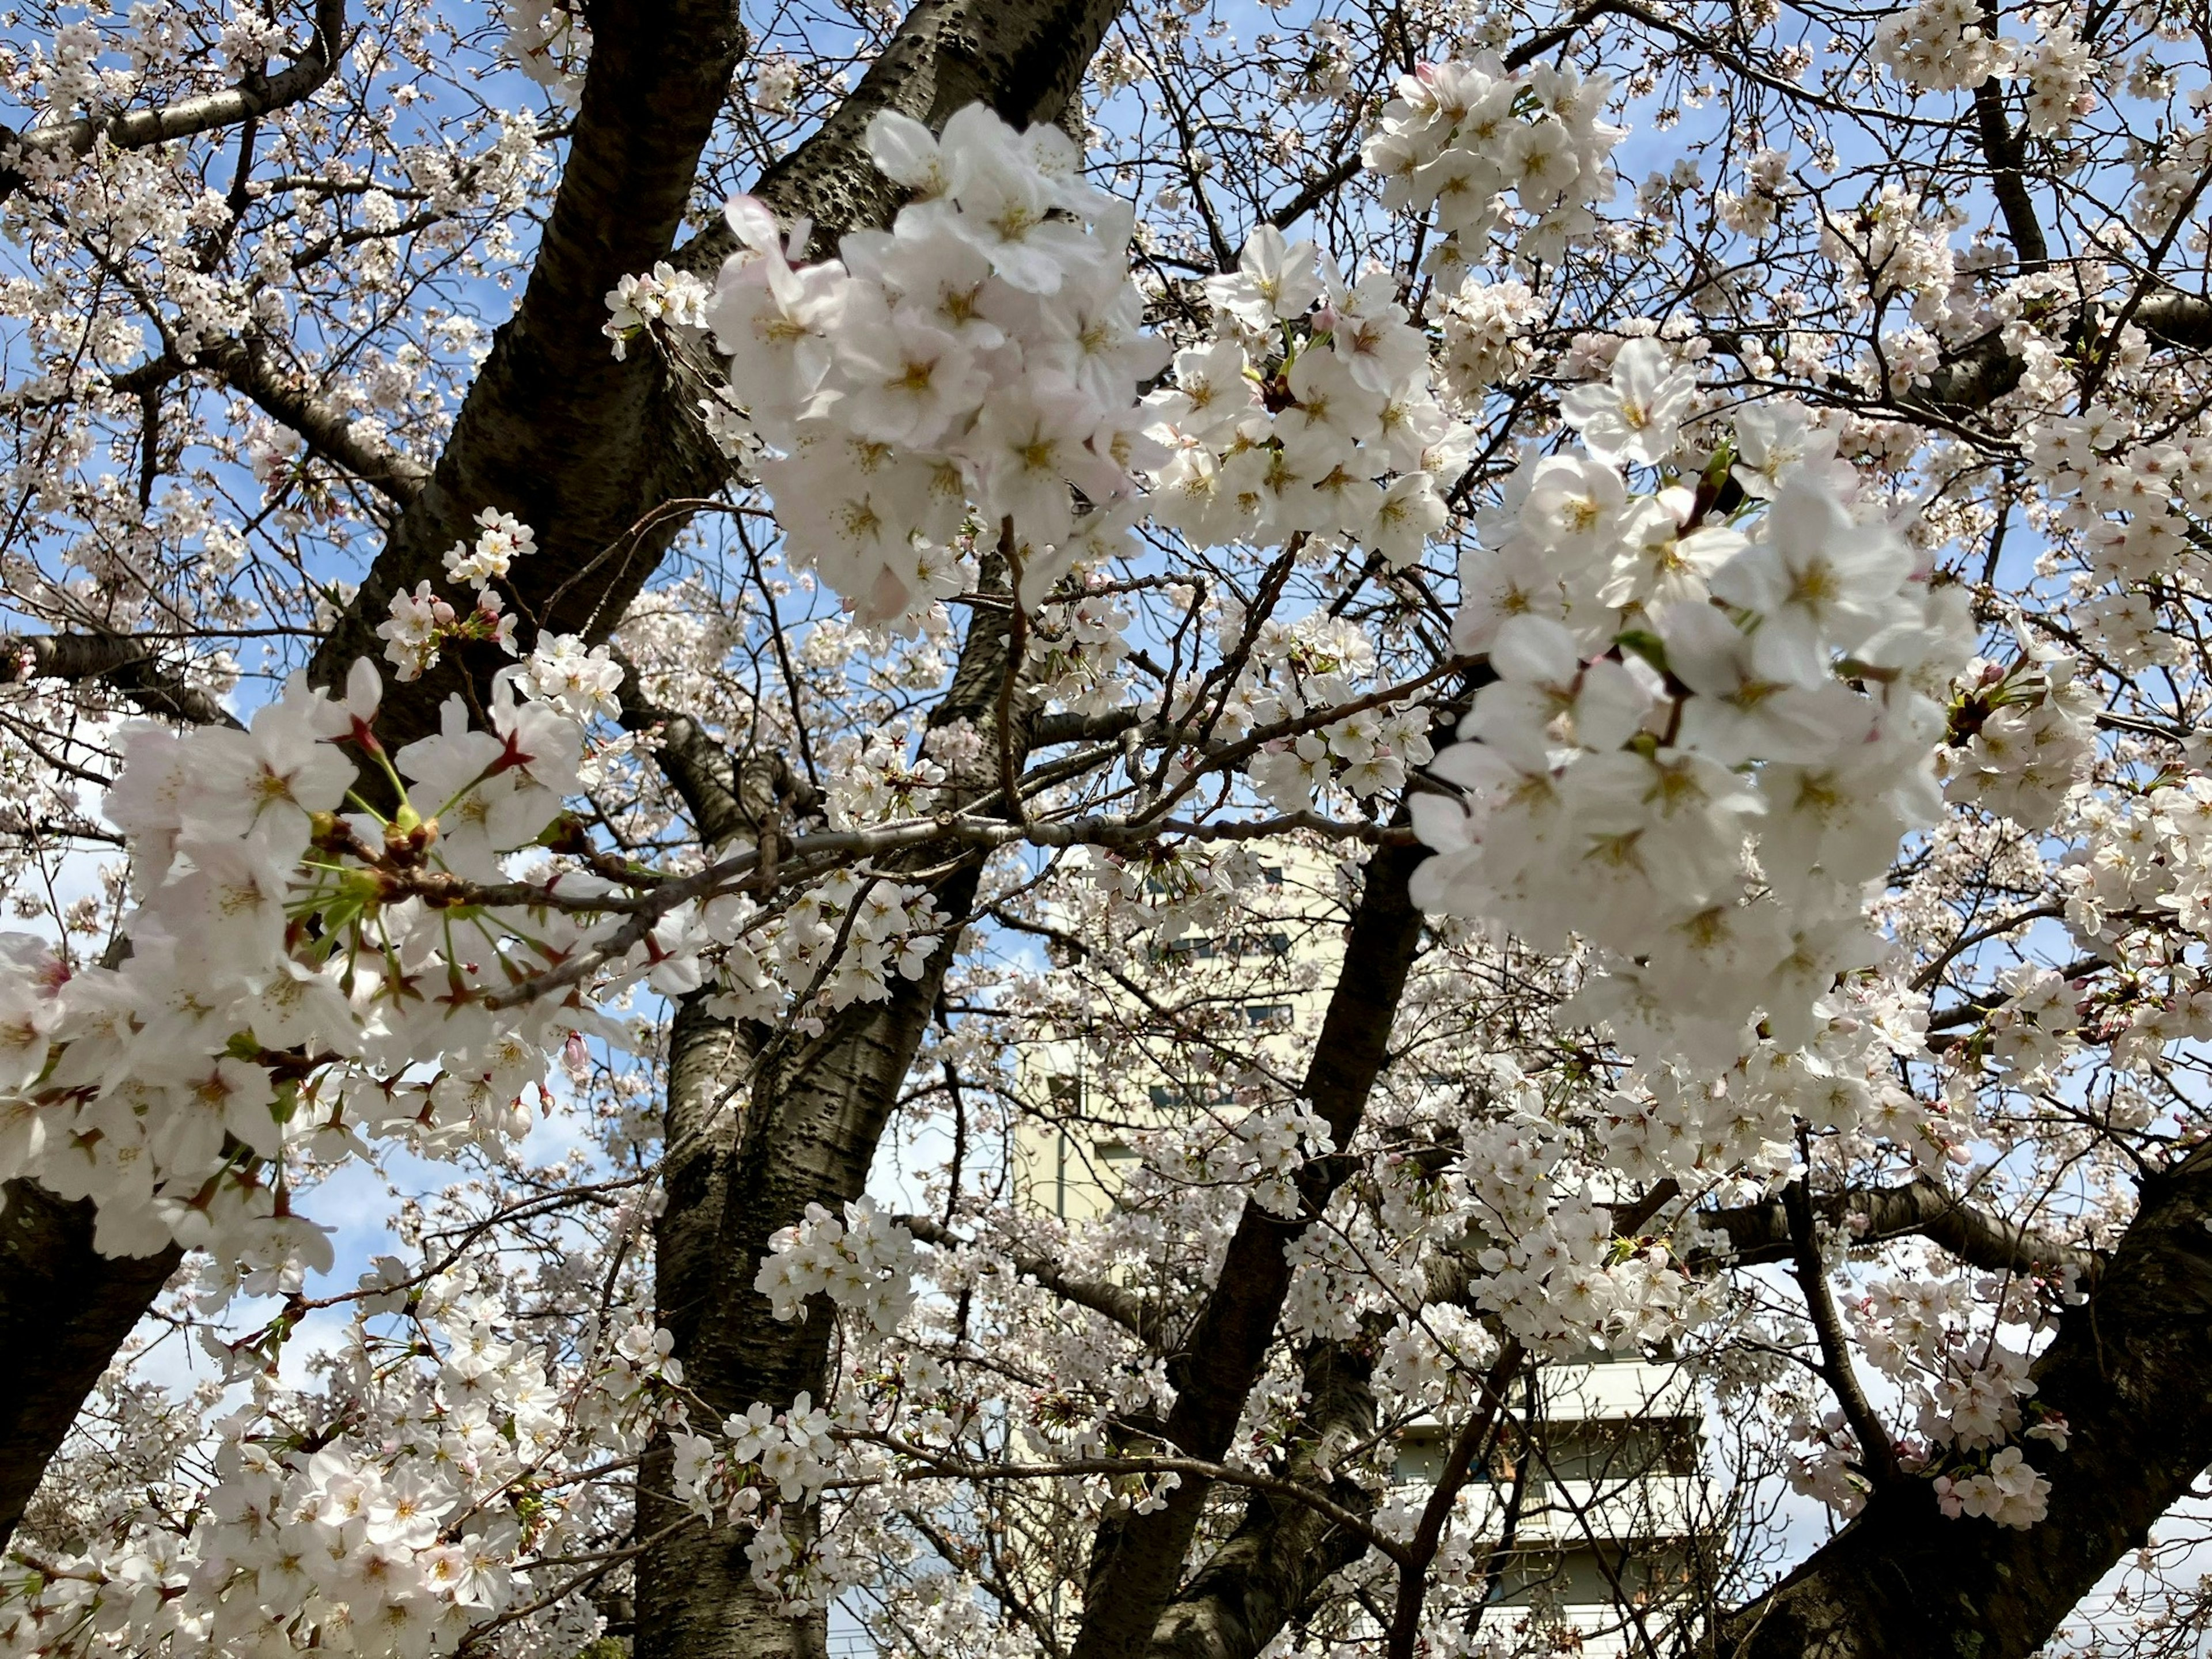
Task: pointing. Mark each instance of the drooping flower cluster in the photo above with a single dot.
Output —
(971, 373)
(2019, 737)
(1673, 693)
(664, 294)
(1942, 44)
(423, 623)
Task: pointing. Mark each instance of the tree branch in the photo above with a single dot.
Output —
(1877, 1451)
(1137, 1562)
(2005, 152)
(1761, 1232)
(2127, 1371)
(1267, 1571)
(127, 664)
(1471, 1442)
(24, 153)
(328, 430)
(1103, 1297)
(554, 429)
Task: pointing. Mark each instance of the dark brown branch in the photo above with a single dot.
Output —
(25, 152)
(1877, 1451)
(1761, 1232)
(1138, 1560)
(2128, 1373)
(328, 429)
(1978, 374)
(2005, 150)
(1267, 1571)
(128, 665)
(1471, 1442)
(64, 1310)
(577, 446)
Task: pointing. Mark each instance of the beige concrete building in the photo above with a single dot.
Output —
(1607, 1516)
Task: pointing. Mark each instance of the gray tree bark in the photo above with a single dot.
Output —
(759, 1124)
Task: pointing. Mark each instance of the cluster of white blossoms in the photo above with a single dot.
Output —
(300, 976)
(1310, 416)
(1566, 1286)
(1899, 246)
(2020, 737)
(2057, 68)
(1459, 134)
(1942, 45)
(1553, 1272)
(880, 779)
(970, 375)
(1266, 1148)
(2137, 890)
(1485, 336)
(763, 1461)
(789, 1454)
(1967, 1390)
(423, 622)
(663, 295)
(2135, 513)
(844, 939)
(1512, 1220)
(2008, 1492)
(581, 681)
(1704, 738)
(864, 1264)
(1952, 46)
(1754, 211)
(551, 44)
(1316, 665)
(423, 1510)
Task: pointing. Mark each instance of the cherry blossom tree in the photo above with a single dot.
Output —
(1535, 678)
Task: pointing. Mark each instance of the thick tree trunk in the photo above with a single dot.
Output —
(759, 1125)
(1281, 1555)
(64, 1310)
(809, 1135)
(554, 429)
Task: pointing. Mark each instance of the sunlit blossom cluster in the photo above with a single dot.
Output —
(967, 378)
(1676, 689)
(1459, 134)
